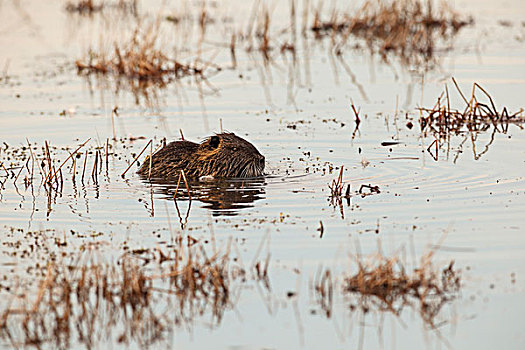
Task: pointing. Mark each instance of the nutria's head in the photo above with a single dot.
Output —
(228, 155)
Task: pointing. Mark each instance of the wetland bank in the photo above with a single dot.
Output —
(389, 215)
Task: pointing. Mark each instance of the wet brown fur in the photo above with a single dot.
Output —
(223, 155)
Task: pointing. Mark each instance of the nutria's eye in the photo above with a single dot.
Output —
(235, 148)
(214, 141)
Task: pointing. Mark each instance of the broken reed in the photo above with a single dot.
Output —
(88, 302)
(410, 29)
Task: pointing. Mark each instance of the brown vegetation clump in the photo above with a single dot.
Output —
(384, 283)
(442, 121)
(140, 58)
(408, 28)
(477, 115)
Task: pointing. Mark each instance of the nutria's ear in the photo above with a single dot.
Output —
(214, 141)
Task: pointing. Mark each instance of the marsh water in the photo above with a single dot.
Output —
(465, 203)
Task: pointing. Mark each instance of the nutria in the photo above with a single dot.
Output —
(223, 155)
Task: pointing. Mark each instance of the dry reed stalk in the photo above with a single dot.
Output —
(442, 121)
(50, 165)
(150, 159)
(84, 167)
(74, 169)
(99, 168)
(114, 113)
(107, 153)
(336, 188)
(136, 158)
(22, 168)
(35, 160)
(187, 184)
(177, 188)
(94, 170)
(70, 155)
(356, 114)
(61, 180)
(232, 51)
(3, 167)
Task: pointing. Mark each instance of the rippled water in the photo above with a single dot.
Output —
(298, 116)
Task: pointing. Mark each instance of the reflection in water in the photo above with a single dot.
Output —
(382, 285)
(137, 300)
(223, 197)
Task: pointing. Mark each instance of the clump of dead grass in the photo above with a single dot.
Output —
(410, 29)
(140, 59)
(480, 114)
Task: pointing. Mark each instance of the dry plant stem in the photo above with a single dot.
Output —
(357, 119)
(61, 179)
(84, 167)
(70, 155)
(114, 113)
(187, 184)
(136, 158)
(107, 153)
(94, 170)
(177, 188)
(100, 157)
(50, 164)
(22, 168)
(34, 160)
(150, 159)
(74, 169)
(6, 172)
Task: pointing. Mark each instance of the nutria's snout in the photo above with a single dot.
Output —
(223, 155)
